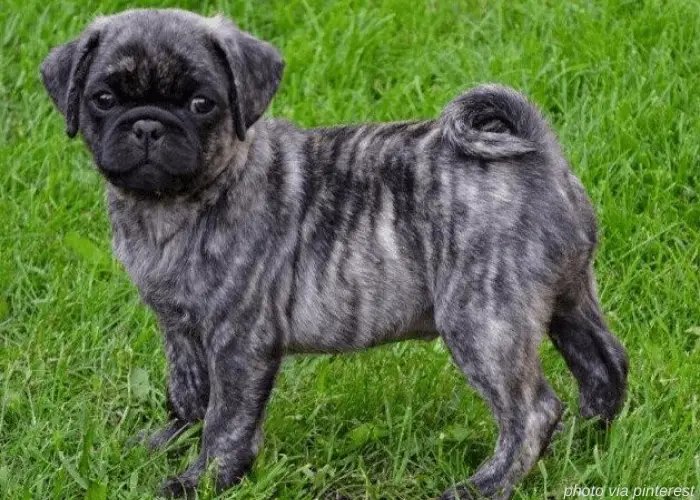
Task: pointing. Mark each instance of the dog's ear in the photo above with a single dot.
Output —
(254, 71)
(63, 73)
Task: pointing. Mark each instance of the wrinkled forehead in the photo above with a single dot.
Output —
(155, 57)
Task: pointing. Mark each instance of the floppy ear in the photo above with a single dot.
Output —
(63, 73)
(254, 70)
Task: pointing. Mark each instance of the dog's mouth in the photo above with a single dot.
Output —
(148, 178)
(129, 168)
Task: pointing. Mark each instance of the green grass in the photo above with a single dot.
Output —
(81, 365)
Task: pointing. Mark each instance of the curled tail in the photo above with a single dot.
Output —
(494, 122)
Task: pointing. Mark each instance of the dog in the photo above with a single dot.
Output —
(252, 238)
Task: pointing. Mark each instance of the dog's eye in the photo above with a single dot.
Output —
(104, 100)
(201, 105)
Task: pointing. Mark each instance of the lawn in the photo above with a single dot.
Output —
(81, 364)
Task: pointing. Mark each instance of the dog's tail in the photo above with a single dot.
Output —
(494, 122)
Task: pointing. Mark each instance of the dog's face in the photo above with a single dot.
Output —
(162, 97)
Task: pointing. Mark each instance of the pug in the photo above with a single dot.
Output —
(253, 238)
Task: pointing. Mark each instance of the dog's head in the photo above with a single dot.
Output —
(161, 97)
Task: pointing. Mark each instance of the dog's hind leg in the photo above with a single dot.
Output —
(595, 357)
(495, 344)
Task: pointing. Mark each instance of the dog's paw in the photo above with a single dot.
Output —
(178, 487)
(184, 485)
(460, 492)
(138, 439)
(159, 439)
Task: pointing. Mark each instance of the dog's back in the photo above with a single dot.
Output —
(403, 207)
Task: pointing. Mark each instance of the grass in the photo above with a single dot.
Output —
(81, 365)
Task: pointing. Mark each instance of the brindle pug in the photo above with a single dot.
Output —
(252, 238)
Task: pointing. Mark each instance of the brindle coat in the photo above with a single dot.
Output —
(253, 238)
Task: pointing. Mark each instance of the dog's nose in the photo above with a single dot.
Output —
(148, 130)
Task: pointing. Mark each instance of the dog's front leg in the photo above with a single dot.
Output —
(242, 363)
(188, 383)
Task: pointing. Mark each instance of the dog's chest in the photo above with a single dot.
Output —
(190, 262)
(159, 250)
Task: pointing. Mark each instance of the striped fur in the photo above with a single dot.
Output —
(471, 227)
